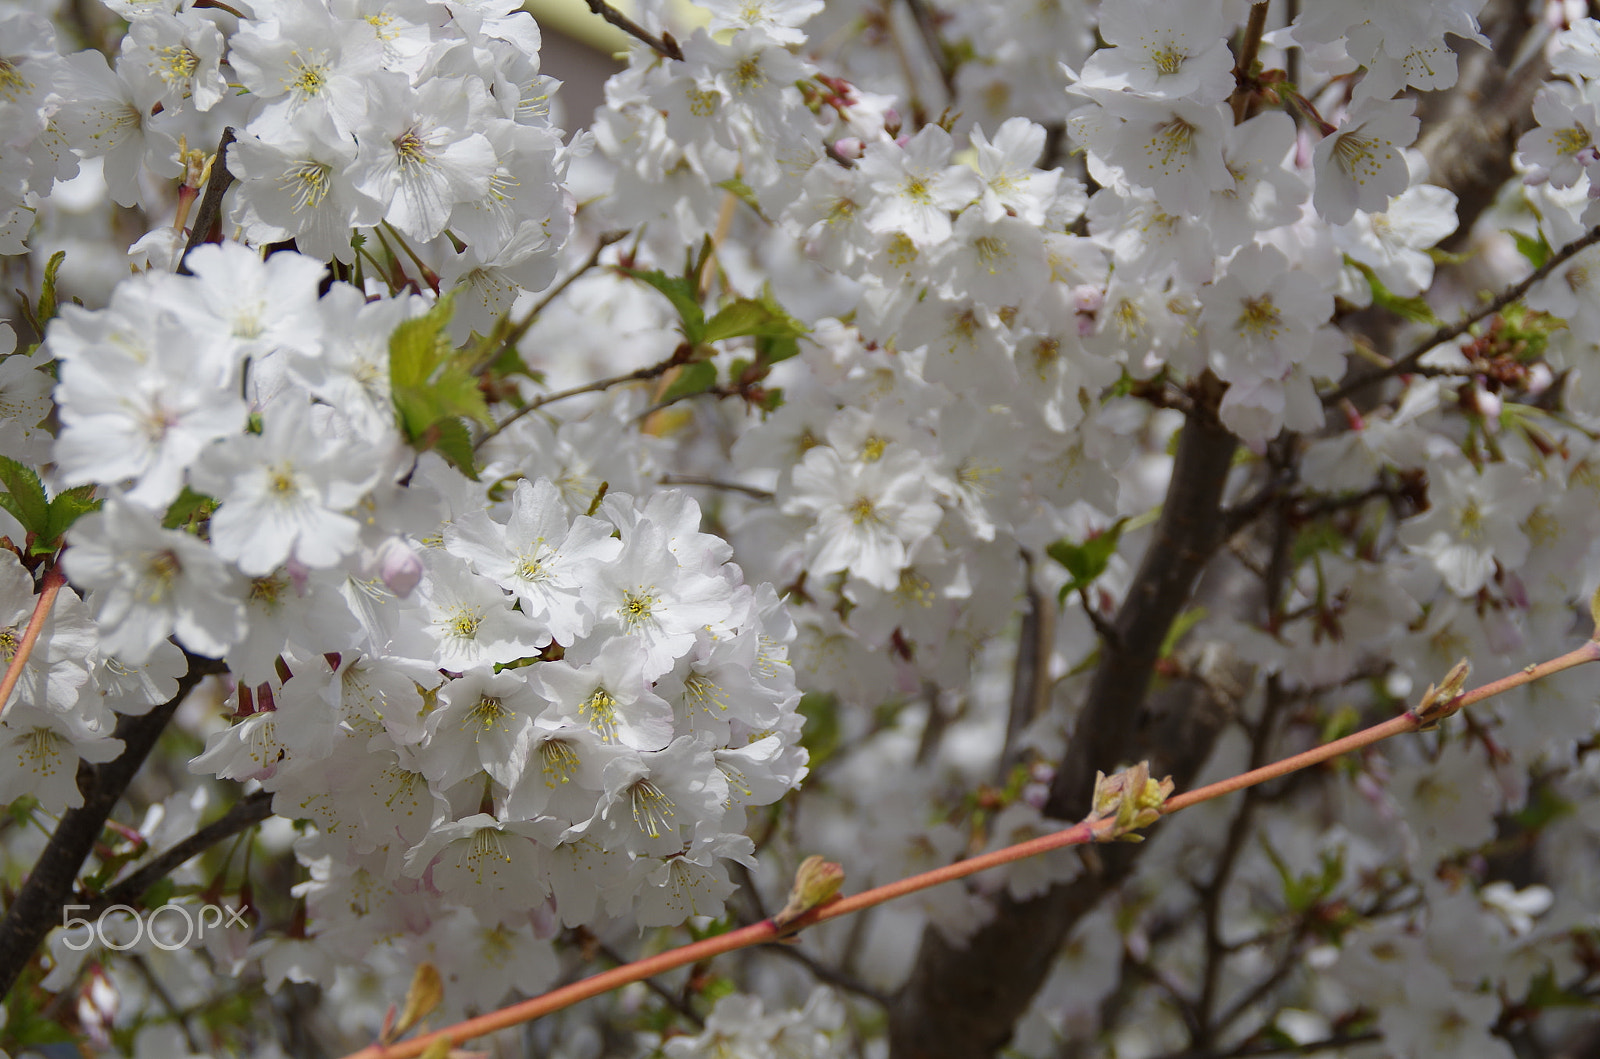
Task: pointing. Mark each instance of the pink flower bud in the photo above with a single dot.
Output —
(396, 565)
(849, 147)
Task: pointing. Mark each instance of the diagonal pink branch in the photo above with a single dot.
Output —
(1077, 834)
(53, 580)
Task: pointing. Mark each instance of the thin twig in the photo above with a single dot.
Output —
(243, 814)
(714, 483)
(1245, 90)
(1445, 333)
(520, 328)
(142, 965)
(1250, 1050)
(651, 372)
(54, 579)
(209, 215)
(833, 976)
(663, 44)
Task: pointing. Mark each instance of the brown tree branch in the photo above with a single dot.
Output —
(1446, 332)
(36, 910)
(243, 814)
(208, 218)
(663, 44)
(962, 1001)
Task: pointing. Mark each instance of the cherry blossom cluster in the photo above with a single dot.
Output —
(509, 706)
(510, 678)
(415, 118)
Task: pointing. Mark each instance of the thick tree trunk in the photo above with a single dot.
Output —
(961, 1003)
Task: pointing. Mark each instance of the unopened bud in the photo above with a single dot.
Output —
(1131, 799)
(395, 564)
(816, 883)
(1440, 702)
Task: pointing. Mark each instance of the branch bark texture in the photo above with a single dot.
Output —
(37, 907)
(962, 1001)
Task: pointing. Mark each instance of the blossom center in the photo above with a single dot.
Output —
(599, 710)
(1357, 155)
(1570, 140)
(636, 607)
(13, 86)
(178, 64)
(308, 183)
(1167, 60)
(310, 75)
(990, 250)
(1174, 139)
(704, 693)
(488, 714)
(651, 808)
(560, 763)
(1259, 318)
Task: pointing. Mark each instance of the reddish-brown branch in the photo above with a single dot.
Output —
(1077, 834)
(54, 579)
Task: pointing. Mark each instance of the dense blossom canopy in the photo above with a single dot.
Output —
(578, 522)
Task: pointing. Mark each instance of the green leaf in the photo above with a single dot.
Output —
(691, 379)
(742, 192)
(1088, 560)
(684, 294)
(1415, 309)
(1445, 257)
(762, 317)
(776, 350)
(417, 347)
(189, 506)
(1537, 251)
(47, 290)
(433, 386)
(455, 445)
(25, 497)
(159, 892)
(67, 507)
(510, 362)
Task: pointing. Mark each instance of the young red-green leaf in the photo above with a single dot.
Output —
(1088, 560)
